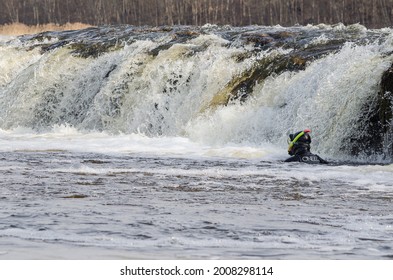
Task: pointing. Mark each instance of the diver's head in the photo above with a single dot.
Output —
(299, 142)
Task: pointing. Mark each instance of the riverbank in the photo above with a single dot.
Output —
(16, 29)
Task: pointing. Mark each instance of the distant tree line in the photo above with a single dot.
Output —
(371, 13)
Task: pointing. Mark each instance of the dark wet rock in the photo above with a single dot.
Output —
(385, 100)
(242, 86)
(86, 50)
(177, 38)
(259, 40)
(378, 121)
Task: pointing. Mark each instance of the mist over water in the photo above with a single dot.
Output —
(131, 142)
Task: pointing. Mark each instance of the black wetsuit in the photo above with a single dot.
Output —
(301, 152)
(307, 157)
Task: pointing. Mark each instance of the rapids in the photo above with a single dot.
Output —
(213, 85)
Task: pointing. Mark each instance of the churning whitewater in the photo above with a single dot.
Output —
(169, 142)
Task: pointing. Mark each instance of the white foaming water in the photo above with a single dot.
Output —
(66, 138)
(180, 91)
(324, 97)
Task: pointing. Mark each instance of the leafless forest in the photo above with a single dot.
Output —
(371, 13)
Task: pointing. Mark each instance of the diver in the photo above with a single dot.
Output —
(299, 148)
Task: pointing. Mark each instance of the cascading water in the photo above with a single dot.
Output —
(184, 82)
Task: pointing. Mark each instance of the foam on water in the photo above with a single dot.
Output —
(66, 138)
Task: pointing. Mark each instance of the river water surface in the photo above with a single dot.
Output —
(61, 198)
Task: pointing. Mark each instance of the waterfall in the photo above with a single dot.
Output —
(210, 84)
